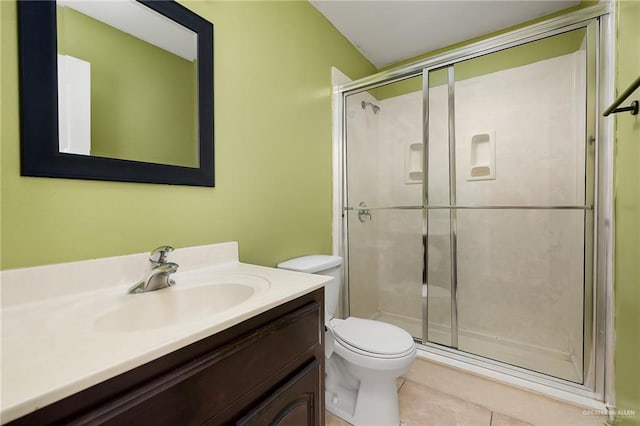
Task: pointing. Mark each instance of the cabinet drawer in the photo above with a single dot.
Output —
(292, 404)
(204, 387)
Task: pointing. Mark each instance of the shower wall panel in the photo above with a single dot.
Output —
(536, 113)
(400, 126)
(364, 172)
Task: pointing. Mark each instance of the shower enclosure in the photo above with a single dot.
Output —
(470, 204)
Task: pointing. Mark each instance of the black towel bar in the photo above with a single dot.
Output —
(613, 109)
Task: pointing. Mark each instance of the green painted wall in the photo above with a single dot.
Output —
(143, 98)
(273, 153)
(627, 216)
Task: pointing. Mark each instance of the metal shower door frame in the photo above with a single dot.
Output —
(598, 21)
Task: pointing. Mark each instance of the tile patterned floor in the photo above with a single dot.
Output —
(423, 406)
(435, 395)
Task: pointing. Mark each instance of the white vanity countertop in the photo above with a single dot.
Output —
(51, 347)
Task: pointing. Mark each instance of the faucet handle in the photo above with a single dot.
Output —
(158, 256)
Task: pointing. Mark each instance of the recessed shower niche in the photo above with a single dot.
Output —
(482, 161)
(413, 163)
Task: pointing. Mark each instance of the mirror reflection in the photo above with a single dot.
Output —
(127, 83)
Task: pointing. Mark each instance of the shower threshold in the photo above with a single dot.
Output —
(550, 362)
(498, 371)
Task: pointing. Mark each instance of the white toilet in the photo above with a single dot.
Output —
(364, 357)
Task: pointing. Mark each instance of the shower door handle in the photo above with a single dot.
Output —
(363, 212)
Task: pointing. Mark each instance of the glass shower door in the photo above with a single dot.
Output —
(511, 181)
(384, 216)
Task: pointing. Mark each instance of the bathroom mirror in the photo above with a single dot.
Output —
(119, 91)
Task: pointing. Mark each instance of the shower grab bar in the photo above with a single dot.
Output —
(509, 207)
(613, 109)
(586, 207)
(383, 208)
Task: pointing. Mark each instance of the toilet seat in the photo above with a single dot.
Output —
(373, 338)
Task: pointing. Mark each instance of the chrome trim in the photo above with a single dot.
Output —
(383, 208)
(590, 165)
(605, 284)
(509, 207)
(425, 202)
(345, 308)
(514, 207)
(337, 239)
(363, 212)
(453, 215)
(502, 367)
(158, 255)
(159, 272)
(604, 220)
(158, 278)
(533, 32)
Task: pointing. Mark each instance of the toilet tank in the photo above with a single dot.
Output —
(321, 264)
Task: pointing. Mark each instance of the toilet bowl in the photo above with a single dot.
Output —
(363, 357)
(375, 354)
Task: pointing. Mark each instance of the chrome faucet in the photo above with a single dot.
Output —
(160, 270)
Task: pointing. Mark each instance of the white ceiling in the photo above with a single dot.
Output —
(388, 31)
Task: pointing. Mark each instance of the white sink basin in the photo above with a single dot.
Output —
(195, 296)
(166, 307)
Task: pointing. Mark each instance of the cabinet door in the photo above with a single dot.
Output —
(295, 403)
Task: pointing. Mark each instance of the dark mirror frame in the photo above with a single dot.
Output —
(39, 105)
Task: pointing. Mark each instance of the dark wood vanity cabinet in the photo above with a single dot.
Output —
(268, 370)
(292, 404)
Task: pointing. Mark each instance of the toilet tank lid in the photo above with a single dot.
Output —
(311, 264)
